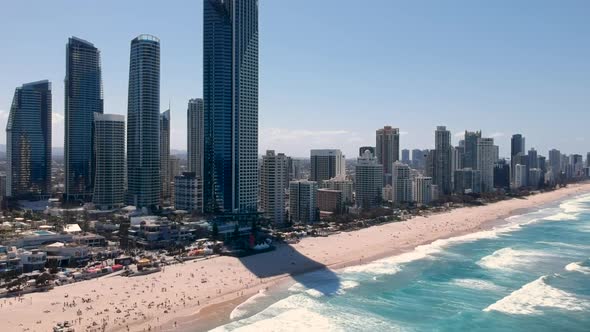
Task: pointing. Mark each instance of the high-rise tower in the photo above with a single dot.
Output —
(83, 98)
(442, 161)
(165, 156)
(143, 123)
(109, 149)
(28, 141)
(387, 150)
(230, 82)
(195, 130)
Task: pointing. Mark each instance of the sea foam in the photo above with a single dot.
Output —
(242, 310)
(477, 284)
(508, 258)
(578, 267)
(532, 297)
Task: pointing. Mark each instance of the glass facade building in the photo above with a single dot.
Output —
(165, 155)
(83, 98)
(230, 82)
(195, 130)
(143, 123)
(109, 147)
(28, 142)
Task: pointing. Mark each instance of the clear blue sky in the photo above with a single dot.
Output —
(333, 71)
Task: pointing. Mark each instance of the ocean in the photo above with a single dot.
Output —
(530, 274)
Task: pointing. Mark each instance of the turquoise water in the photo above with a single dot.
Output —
(533, 274)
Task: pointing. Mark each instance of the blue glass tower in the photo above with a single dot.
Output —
(143, 123)
(28, 142)
(83, 98)
(230, 82)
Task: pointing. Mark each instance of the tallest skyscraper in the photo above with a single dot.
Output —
(83, 98)
(143, 123)
(230, 82)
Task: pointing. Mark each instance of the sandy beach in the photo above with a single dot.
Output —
(201, 294)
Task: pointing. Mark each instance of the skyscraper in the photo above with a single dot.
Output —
(195, 130)
(109, 150)
(326, 164)
(369, 182)
(486, 154)
(387, 150)
(303, 204)
(83, 98)
(470, 156)
(422, 190)
(406, 156)
(517, 146)
(443, 154)
(402, 183)
(28, 141)
(165, 156)
(143, 123)
(230, 82)
(555, 162)
(273, 175)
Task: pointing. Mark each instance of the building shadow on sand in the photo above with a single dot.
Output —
(287, 260)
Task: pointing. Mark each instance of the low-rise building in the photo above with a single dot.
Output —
(330, 200)
(188, 192)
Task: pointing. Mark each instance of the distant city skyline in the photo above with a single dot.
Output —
(498, 78)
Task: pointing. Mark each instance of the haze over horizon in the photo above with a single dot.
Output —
(332, 72)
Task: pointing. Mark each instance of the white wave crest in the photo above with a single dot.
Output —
(294, 313)
(577, 205)
(577, 267)
(508, 258)
(241, 310)
(391, 265)
(477, 284)
(563, 217)
(535, 295)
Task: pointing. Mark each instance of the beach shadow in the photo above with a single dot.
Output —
(287, 260)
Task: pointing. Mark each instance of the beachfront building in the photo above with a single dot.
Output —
(423, 189)
(342, 184)
(471, 149)
(517, 148)
(83, 99)
(442, 160)
(330, 200)
(369, 182)
(273, 178)
(387, 150)
(188, 193)
(230, 85)
(195, 138)
(520, 176)
(143, 116)
(109, 156)
(502, 174)
(402, 183)
(28, 142)
(535, 178)
(467, 181)
(303, 207)
(165, 157)
(486, 157)
(327, 164)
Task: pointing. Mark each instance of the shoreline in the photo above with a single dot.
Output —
(200, 295)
